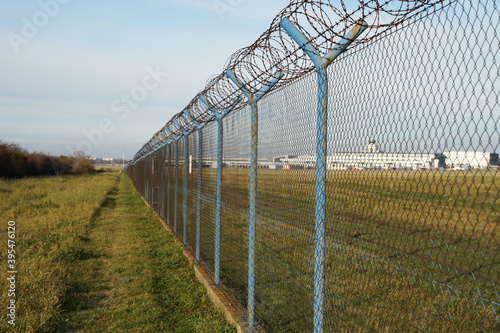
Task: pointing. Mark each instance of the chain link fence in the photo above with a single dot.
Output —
(360, 194)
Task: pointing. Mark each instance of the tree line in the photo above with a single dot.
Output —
(17, 162)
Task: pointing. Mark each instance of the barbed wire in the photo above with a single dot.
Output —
(323, 23)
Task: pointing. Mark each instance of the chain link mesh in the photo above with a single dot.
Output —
(411, 206)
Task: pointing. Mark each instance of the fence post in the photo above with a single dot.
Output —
(176, 183)
(198, 202)
(186, 175)
(163, 172)
(155, 190)
(218, 216)
(253, 99)
(166, 146)
(169, 141)
(169, 180)
(321, 63)
(200, 166)
(161, 165)
(184, 203)
(176, 138)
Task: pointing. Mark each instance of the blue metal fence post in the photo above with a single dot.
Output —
(167, 151)
(162, 175)
(321, 64)
(198, 203)
(186, 175)
(176, 184)
(164, 171)
(161, 167)
(218, 217)
(252, 223)
(218, 212)
(176, 138)
(184, 203)
(253, 99)
(154, 192)
(169, 176)
(199, 195)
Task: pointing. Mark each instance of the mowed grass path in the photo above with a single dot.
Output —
(113, 268)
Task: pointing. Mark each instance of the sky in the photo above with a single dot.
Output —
(103, 76)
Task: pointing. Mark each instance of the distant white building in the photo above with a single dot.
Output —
(381, 161)
(467, 159)
(296, 162)
(371, 159)
(374, 159)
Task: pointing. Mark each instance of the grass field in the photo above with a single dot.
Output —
(406, 250)
(91, 257)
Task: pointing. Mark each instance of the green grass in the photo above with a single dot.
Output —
(406, 250)
(91, 256)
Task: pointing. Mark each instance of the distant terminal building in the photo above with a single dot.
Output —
(348, 161)
(382, 161)
(470, 160)
(294, 162)
(372, 158)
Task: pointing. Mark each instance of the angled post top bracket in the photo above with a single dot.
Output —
(158, 139)
(197, 124)
(165, 138)
(162, 138)
(216, 114)
(174, 137)
(186, 133)
(156, 143)
(318, 60)
(253, 98)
